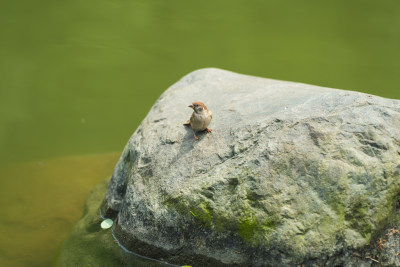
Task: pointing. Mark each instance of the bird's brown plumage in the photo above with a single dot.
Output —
(200, 119)
(200, 103)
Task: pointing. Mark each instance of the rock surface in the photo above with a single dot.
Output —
(291, 174)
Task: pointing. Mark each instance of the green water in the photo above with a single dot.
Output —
(77, 77)
(41, 201)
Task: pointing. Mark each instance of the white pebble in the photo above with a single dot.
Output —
(107, 223)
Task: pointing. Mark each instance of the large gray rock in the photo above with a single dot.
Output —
(291, 174)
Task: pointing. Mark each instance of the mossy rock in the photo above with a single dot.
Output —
(291, 174)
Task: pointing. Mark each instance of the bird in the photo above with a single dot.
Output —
(200, 119)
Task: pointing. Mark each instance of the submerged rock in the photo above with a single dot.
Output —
(90, 245)
(291, 174)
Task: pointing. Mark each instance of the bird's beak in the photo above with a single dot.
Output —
(190, 106)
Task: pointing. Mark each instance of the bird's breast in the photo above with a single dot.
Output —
(200, 122)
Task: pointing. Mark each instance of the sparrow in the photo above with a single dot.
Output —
(200, 119)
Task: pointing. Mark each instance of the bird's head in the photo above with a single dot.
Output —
(198, 107)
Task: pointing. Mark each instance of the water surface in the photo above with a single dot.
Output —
(77, 76)
(40, 202)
